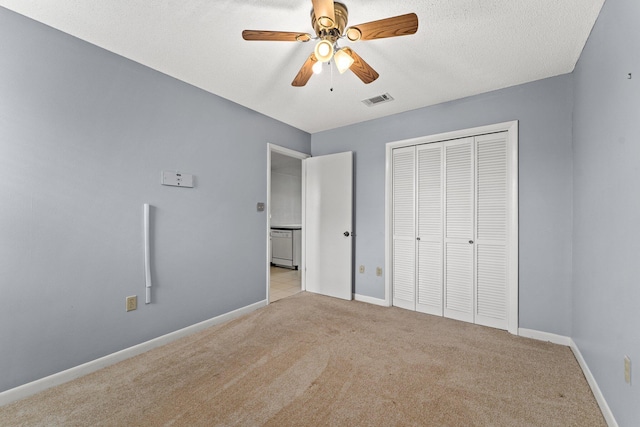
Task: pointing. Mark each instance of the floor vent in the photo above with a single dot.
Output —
(380, 99)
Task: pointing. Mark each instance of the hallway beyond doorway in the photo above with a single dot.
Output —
(284, 283)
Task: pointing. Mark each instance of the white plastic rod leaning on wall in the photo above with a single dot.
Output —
(147, 257)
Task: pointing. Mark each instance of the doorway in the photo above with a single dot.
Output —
(285, 202)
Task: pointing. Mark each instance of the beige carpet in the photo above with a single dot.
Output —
(309, 360)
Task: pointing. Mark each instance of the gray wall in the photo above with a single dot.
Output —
(606, 263)
(84, 135)
(544, 110)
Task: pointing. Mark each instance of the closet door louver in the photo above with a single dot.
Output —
(458, 241)
(491, 231)
(404, 245)
(429, 232)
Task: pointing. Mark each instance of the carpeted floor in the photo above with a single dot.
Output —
(310, 360)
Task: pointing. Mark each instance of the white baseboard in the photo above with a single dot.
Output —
(544, 336)
(604, 407)
(370, 300)
(34, 387)
(567, 341)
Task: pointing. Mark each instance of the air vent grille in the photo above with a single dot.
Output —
(380, 99)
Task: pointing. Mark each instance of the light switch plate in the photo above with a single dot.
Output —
(177, 179)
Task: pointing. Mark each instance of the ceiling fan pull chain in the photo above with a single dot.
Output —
(331, 68)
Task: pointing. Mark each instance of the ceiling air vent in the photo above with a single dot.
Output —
(380, 99)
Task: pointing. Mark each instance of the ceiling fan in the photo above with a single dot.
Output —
(329, 20)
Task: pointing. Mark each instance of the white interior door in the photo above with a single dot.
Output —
(329, 224)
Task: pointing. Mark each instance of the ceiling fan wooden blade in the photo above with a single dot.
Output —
(305, 72)
(402, 25)
(325, 12)
(275, 36)
(360, 68)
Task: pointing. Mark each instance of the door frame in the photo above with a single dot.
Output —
(512, 142)
(273, 148)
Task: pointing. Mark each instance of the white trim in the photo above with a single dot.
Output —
(512, 129)
(370, 300)
(597, 393)
(514, 264)
(303, 232)
(298, 155)
(42, 384)
(287, 151)
(464, 133)
(388, 238)
(593, 384)
(544, 336)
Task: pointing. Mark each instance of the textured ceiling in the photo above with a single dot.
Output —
(462, 48)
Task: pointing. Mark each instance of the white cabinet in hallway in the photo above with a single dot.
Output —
(286, 246)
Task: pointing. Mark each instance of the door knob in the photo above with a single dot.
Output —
(346, 234)
(417, 238)
(471, 242)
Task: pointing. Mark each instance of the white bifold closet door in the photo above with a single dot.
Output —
(491, 231)
(404, 243)
(458, 238)
(429, 228)
(450, 228)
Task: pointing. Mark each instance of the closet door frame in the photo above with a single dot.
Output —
(512, 164)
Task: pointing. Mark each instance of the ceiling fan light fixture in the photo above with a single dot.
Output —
(343, 60)
(317, 67)
(324, 51)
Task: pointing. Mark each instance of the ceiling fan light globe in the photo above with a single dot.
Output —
(317, 67)
(324, 51)
(343, 60)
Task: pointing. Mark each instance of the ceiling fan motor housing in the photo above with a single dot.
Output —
(334, 32)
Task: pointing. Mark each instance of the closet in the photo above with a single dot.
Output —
(452, 229)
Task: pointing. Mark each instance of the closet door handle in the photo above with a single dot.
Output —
(471, 242)
(346, 234)
(417, 238)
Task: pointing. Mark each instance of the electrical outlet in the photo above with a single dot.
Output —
(378, 271)
(362, 269)
(627, 369)
(132, 303)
